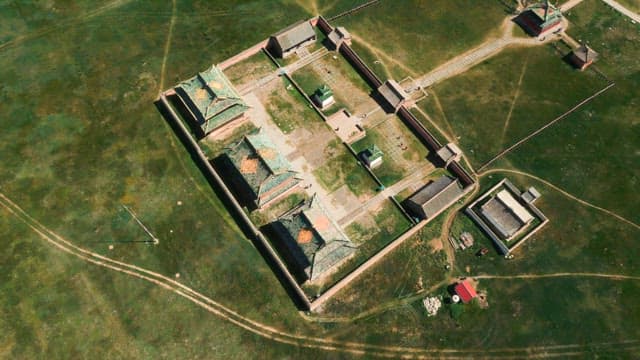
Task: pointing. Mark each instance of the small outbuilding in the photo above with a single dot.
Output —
(372, 156)
(393, 94)
(288, 40)
(323, 97)
(506, 216)
(582, 57)
(448, 153)
(531, 195)
(338, 36)
(465, 290)
(211, 100)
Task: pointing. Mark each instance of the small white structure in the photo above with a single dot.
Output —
(455, 299)
(323, 97)
(432, 304)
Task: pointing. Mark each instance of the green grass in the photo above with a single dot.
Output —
(418, 34)
(578, 153)
(388, 172)
(343, 168)
(489, 108)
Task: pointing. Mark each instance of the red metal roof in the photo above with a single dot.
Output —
(465, 291)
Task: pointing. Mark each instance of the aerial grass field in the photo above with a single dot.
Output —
(81, 138)
(411, 37)
(505, 98)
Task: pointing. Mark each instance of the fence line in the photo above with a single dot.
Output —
(355, 9)
(568, 112)
(300, 296)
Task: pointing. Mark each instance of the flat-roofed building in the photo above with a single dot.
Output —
(314, 243)
(262, 174)
(212, 101)
(434, 197)
(506, 216)
(286, 41)
(393, 94)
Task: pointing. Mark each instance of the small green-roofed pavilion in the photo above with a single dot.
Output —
(212, 99)
(324, 92)
(546, 13)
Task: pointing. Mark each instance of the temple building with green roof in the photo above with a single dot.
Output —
(212, 100)
(262, 174)
(313, 243)
(540, 18)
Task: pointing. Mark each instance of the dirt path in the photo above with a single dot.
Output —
(244, 322)
(515, 99)
(623, 10)
(559, 274)
(447, 135)
(608, 212)
(475, 56)
(65, 23)
(569, 5)
(167, 44)
(382, 54)
(444, 115)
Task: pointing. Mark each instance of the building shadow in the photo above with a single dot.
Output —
(276, 231)
(257, 238)
(193, 152)
(527, 22)
(194, 127)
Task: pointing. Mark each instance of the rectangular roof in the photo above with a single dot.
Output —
(518, 210)
(211, 98)
(392, 92)
(294, 35)
(501, 219)
(436, 195)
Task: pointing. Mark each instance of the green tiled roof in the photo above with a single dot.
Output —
(374, 152)
(325, 246)
(323, 93)
(262, 166)
(211, 98)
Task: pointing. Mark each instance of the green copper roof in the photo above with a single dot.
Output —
(211, 98)
(324, 92)
(314, 240)
(547, 13)
(262, 167)
(374, 152)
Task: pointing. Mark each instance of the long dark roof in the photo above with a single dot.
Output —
(437, 195)
(295, 34)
